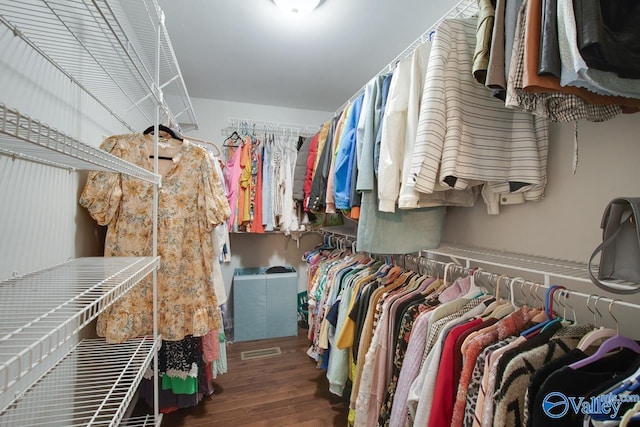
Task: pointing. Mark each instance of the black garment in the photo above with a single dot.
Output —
(318, 194)
(609, 35)
(359, 310)
(332, 315)
(549, 60)
(536, 380)
(583, 382)
(356, 196)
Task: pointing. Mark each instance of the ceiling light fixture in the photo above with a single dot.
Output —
(297, 7)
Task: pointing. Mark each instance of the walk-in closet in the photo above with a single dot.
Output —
(319, 213)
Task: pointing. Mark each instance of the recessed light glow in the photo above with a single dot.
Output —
(297, 7)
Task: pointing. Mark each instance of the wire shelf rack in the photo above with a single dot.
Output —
(544, 266)
(88, 387)
(142, 421)
(551, 269)
(24, 137)
(41, 311)
(108, 49)
(463, 9)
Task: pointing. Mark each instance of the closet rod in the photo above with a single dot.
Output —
(239, 124)
(463, 8)
(493, 278)
(204, 143)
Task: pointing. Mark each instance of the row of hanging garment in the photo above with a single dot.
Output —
(563, 60)
(410, 349)
(452, 122)
(189, 298)
(259, 175)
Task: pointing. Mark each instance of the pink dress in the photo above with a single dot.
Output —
(232, 172)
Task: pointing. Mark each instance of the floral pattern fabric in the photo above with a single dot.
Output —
(191, 201)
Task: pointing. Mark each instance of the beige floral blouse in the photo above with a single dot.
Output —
(191, 202)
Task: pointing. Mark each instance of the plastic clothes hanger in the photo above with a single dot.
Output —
(631, 414)
(613, 343)
(162, 128)
(446, 270)
(541, 314)
(474, 290)
(558, 319)
(498, 301)
(596, 335)
(231, 140)
(548, 310)
(624, 388)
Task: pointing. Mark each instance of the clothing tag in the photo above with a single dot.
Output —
(164, 143)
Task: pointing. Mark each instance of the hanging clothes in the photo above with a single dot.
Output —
(318, 193)
(304, 146)
(574, 69)
(459, 356)
(232, 173)
(330, 206)
(345, 156)
(268, 215)
(510, 153)
(556, 106)
(190, 203)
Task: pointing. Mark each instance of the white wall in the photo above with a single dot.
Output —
(40, 220)
(41, 223)
(566, 223)
(250, 250)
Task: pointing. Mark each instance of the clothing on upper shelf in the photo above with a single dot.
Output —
(607, 35)
(475, 139)
(557, 106)
(466, 114)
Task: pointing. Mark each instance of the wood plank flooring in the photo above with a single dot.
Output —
(280, 390)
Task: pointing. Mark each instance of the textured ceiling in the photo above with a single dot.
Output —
(248, 51)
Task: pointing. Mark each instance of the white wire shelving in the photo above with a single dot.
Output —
(259, 127)
(118, 52)
(108, 48)
(462, 9)
(91, 386)
(552, 270)
(42, 311)
(549, 268)
(143, 421)
(26, 138)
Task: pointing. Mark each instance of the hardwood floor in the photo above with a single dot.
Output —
(280, 390)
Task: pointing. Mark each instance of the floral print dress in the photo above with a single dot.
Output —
(191, 201)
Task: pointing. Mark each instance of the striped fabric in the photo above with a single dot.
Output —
(466, 136)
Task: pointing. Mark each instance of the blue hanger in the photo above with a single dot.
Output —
(548, 309)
